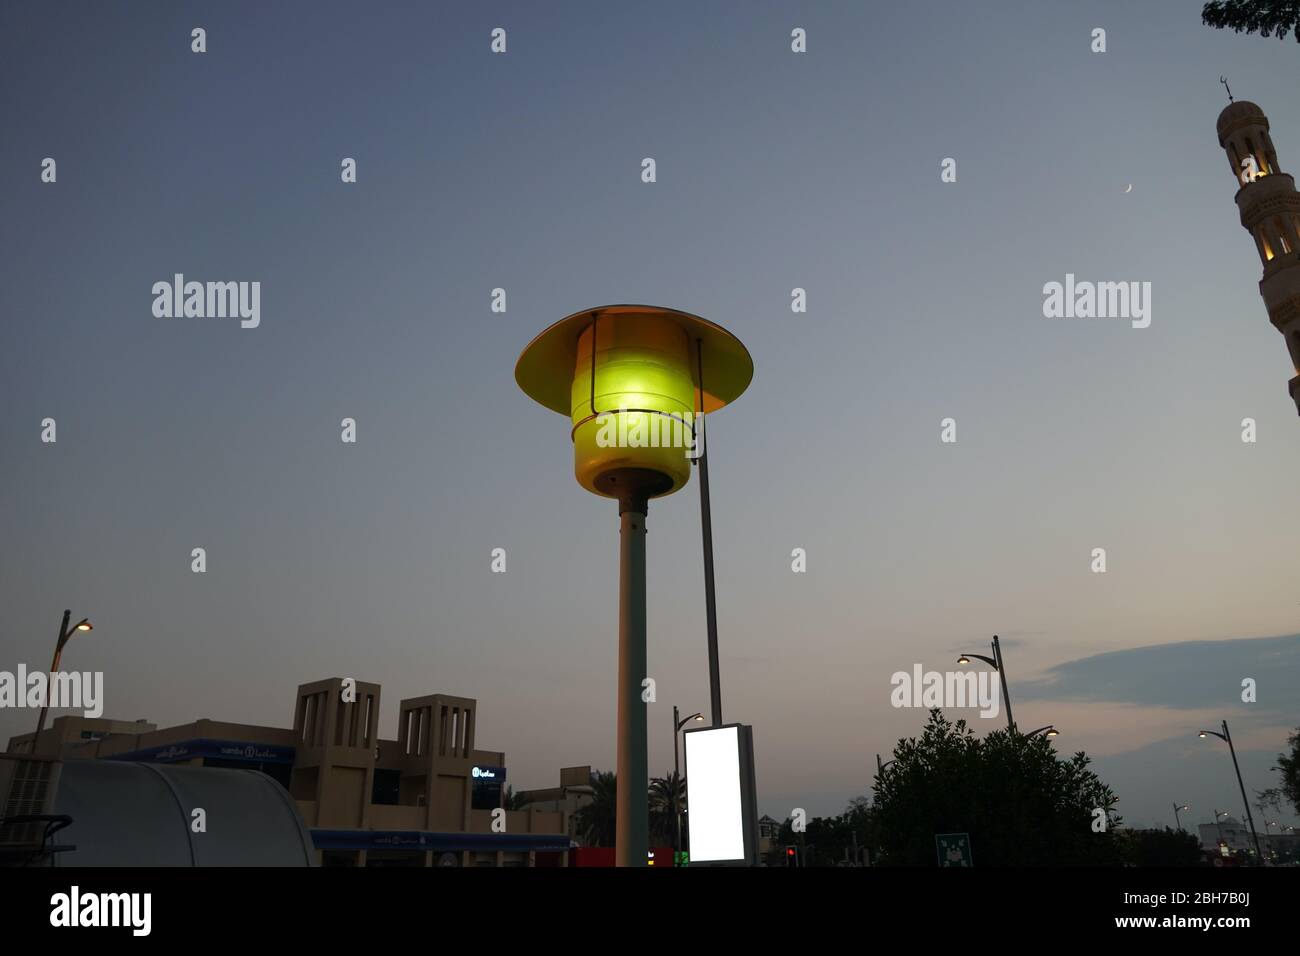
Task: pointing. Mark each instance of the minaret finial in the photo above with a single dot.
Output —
(1224, 81)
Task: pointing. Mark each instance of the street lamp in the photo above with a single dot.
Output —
(65, 634)
(996, 663)
(1219, 826)
(1177, 820)
(1048, 731)
(1227, 738)
(880, 767)
(677, 810)
(625, 374)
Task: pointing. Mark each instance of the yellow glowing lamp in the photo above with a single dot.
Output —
(632, 379)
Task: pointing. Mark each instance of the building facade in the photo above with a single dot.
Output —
(573, 793)
(429, 797)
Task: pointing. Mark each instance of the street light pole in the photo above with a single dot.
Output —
(678, 724)
(677, 813)
(1002, 677)
(1178, 820)
(65, 633)
(1250, 819)
(996, 663)
(706, 532)
(632, 804)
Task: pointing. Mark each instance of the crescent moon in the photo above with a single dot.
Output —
(1129, 189)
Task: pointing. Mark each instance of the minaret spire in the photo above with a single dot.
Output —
(1224, 81)
(1270, 212)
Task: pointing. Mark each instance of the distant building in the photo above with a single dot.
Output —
(1231, 831)
(769, 832)
(423, 799)
(573, 793)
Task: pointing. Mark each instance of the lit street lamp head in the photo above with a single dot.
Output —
(632, 378)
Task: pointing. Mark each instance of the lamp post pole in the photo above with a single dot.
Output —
(65, 633)
(54, 666)
(1250, 819)
(706, 530)
(678, 724)
(1259, 855)
(996, 663)
(1002, 677)
(677, 811)
(632, 809)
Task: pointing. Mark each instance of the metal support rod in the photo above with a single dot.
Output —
(54, 666)
(1259, 856)
(1006, 690)
(632, 802)
(710, 597)
(677, 810)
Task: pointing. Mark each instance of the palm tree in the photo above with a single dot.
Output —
(512, 799)
(594, 821)
(663, 817)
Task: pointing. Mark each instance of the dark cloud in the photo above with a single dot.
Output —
(1189, 674)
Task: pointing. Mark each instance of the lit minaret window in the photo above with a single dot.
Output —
(1270, 212)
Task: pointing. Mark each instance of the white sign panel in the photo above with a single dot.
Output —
(717, 822)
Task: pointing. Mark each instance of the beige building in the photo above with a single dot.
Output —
(573, 793)
(426, 798)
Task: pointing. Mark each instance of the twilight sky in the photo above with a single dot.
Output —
(775, 171)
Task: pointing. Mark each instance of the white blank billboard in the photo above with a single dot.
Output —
(713, 794)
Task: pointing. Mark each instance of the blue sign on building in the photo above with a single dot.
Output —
(208, 749)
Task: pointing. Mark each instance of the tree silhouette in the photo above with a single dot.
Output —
(594, 821)
(1289, 766)
(1019, 801)
(663, 818)
(1167, 847)
(1265, 17)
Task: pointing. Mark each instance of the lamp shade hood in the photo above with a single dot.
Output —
(629, 377)
(545, 369)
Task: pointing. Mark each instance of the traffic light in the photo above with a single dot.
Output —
(791, 856)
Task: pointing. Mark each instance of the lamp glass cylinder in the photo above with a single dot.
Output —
(633, 406)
